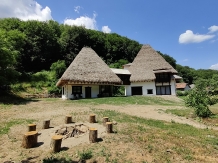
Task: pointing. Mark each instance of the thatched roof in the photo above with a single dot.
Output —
(88, 68)
(147, 63)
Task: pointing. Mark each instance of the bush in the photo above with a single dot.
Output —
(182, 93)
(199, 100)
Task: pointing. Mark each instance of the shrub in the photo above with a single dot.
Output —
(199, 100)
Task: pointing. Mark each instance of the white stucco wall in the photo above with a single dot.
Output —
(148, 85)
(145, 86)
(68, 91)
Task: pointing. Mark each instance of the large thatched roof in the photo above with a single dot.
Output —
(147, 63)
(88, 68)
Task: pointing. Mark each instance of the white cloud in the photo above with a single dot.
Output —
(214, 67)
(190, 37)
(213, 29)
(24, 10)
(106, 29)
(87, 22)
(76, 9)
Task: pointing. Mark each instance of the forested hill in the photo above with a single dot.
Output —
(43, 43)
(28, 47)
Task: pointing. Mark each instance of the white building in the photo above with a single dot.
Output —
(151, 74)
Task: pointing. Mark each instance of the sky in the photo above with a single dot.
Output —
(187, 30)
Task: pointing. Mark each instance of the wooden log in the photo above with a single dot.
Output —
(56, 143)
(93, 134)
(46, 124)
(68, 119)
(109, 127)
(31, 127)
(30, 139)
(92, 118)
(104, 120)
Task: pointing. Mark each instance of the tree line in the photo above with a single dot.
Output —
(29, 47)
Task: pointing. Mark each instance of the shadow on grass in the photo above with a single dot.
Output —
(10, 98)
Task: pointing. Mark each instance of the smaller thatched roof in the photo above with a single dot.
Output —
(88, 68)
(147, 63)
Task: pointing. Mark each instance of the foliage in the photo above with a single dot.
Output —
(186, 73)
(199, 100)
(119, 91)
(118, 64)
(182, 93)
(54, 159)
(85, 154)
(10, 49)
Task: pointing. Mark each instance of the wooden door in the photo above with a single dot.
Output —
(88, 92)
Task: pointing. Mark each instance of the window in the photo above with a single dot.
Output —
(149, 91)
(76, 89)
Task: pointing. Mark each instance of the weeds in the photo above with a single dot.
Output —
(85, 154)
(5, 127)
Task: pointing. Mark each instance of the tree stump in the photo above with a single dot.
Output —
(46, 124)
(109, 127)
(68, 119)
(93, 134)
(92, 118)
(30, 139)
(56, 143)
(104, 120)
(31, 127)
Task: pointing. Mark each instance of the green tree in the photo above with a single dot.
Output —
(10, 48)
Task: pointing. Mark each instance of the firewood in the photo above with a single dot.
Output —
(30, 139)
(109, 127)
(31, 127)
(93, 134)
(55, 144)
(92, 118)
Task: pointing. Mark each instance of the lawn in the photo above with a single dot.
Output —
(135, 139)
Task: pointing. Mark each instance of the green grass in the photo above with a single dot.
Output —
(5, 127)
(176, 129)
(151, 136)
(134, 100)
(181, 112)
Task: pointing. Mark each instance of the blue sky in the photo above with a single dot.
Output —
(187, 30)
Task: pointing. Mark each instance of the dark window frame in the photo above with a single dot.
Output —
(148, 91)
(76, 89)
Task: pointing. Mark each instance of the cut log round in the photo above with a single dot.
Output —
(30, 139)
(31, 127)
(109, 127)
(104, 120)
(93, 134)
(68, 119)
(46, 124)
(56, 143)
(92, 118)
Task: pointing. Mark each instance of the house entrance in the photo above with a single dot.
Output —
(136, 90)
(88, 92)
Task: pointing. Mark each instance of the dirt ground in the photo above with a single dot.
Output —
(10, 148)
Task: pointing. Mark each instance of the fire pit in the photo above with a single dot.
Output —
(72, 131)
